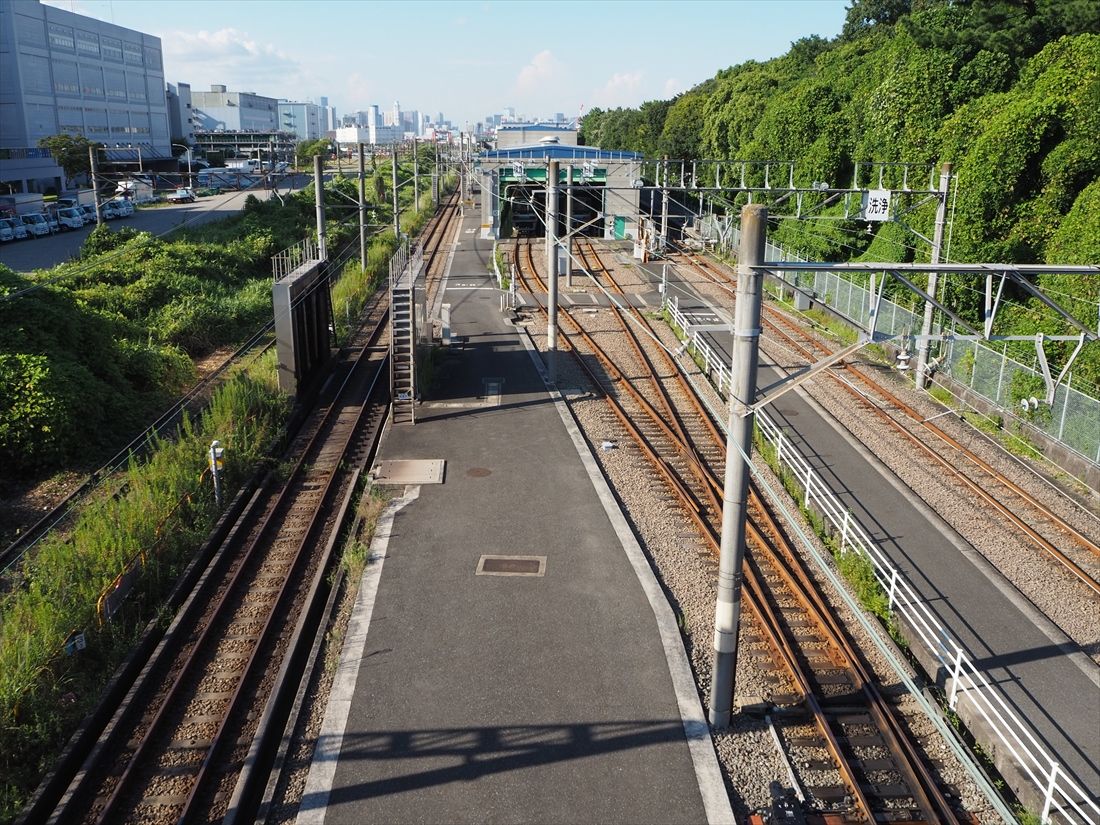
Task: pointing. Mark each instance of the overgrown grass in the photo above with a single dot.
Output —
(153, 526)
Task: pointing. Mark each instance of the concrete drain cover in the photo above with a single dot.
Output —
(511, 566)
(409, 471)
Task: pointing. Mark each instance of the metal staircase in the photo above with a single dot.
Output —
(403, 354)
(406, 274)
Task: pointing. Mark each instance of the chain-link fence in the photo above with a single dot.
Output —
(1074, 418)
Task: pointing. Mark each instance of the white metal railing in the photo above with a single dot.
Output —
(289, 259)
(1059, 792)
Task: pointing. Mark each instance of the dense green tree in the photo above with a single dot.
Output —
(70, 152)
(306, 149)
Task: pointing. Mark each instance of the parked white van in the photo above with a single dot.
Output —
(71, 218)
(36, 224)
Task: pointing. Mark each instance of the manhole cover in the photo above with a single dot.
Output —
(479, 472)
(511, 566)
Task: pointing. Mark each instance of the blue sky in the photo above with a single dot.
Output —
(466, 59)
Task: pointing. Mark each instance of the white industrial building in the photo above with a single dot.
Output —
(306, 121)
(62, 72)
(525, 134)
(220, 110)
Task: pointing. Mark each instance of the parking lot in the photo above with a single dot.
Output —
(47, 251)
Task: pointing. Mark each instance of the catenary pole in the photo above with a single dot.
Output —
(319, 199)
(735, 493)
(569, 226)
(933, 279)
(396, 210)
(362, 207)
(416, 178)
(552, 263)
(664, 210)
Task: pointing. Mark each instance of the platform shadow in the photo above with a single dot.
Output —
(483, 751)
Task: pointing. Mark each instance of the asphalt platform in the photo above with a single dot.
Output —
(558, 693)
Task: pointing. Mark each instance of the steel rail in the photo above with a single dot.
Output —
(1054, 552)
(1037, 538)
(755, 589)
(256, 547)
(920, 781)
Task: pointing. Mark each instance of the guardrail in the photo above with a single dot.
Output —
(964, 682)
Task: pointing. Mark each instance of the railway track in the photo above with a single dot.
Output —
(204, 727)
(174, 749)
(1068, 548)
(862, 757)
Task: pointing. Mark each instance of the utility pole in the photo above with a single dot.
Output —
(552, 264)
(933, 279)
(396, 208)
(319, 198)
(362, 207)
(569, 226)
(94, 163)
(735, 492)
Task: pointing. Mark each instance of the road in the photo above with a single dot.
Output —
(42, 253)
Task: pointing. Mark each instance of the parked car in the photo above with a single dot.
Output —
(89, 213)
(36, 224)
(18, 230)
(71, 218)
(6, 233)
(110, 210)
(51, 219)
(124, 206)
(181, 196)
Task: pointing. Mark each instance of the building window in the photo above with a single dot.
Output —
(91, 81)
(87, 43)
(132, 53)
(65, 81)
(136, 85)
(152, 59)
(61, 37)
(112, 49)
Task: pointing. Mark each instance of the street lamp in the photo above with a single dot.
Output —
(188, 150)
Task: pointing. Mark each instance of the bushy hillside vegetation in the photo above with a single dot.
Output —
(92, 349)
(1008, 92)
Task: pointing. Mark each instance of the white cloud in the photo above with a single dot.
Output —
(621, 89)
(234, 58)
(673, 87)
(542, 69)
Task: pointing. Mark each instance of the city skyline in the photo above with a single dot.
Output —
(472, 63)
